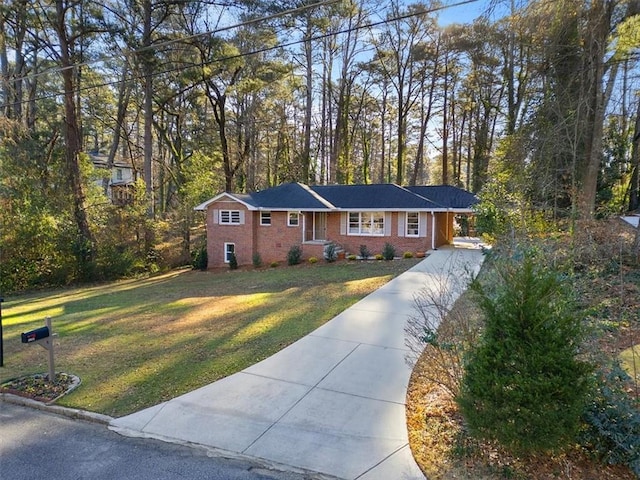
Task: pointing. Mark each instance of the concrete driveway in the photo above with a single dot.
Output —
(332, 403)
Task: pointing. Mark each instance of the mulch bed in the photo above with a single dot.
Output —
(38, 387)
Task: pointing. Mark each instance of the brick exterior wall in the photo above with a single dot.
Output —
(218, 235)
(272, 242)
(351, 243)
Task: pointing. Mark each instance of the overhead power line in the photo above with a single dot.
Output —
(164, 43)
(242, 54)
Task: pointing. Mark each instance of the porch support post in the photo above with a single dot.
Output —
(433, 230)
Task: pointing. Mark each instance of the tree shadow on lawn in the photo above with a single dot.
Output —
(139, 343)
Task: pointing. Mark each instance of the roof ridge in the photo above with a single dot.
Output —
(316, 195)
(422, 196)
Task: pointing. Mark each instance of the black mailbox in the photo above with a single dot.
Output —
(37, 334)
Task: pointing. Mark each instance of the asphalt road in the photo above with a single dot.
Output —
(39, 445)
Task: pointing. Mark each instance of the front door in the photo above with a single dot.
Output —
(320, 226)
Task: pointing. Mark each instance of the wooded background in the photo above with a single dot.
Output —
(534, 104)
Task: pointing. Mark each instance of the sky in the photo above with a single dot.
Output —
(464, 13)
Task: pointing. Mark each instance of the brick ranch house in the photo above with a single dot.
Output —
(269, 222)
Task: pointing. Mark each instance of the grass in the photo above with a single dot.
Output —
(137, 343)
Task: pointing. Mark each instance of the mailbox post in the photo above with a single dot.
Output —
(43, 336)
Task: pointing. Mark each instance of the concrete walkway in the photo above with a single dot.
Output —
(331, 403)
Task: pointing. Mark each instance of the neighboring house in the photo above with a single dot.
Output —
(269, 222)
(119, 181)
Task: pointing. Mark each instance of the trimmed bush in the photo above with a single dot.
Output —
(407, 255)
(257, 260)
(364, 252)
(352, 257)
(274, 264)
(330, 252)
(388, 251)
(523, 385)
(233, 262)
(294, 255)
(379, 256)
(313, 260)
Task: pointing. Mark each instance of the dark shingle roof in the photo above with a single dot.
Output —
(446, 195)
(387, 196)
(379, 196)
(288, 196)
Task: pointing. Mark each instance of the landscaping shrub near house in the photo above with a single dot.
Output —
(294, 255)
(233, 262)
(524, 386)
(313, 260)
(407, 255)
(330, 252)
(364, 252)
(256, 259)
(388, 251)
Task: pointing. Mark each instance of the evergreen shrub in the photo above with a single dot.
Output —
(294, 255)
(200, 258)
(388, 251)
(523, 385)
(612, 421)
(330, 252)
(233, 262)
(364, 252)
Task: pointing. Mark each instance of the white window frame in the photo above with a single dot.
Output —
(413, 226)
(293, 215)
(265, 218)
(228, 251)
(229, 217)
(366, 224)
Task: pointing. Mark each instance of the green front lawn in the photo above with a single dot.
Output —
(137, 343)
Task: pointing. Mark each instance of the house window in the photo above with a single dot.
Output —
(119, 174)
(230, 217)
(413, 224)
(293, 219)
(366, 223)
(265, 218)
(229, 250)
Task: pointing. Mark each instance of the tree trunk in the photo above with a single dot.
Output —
(308, 111)
(445, 125)
(4, 69)
(634, 200)
(148, 108)
(86, 242)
